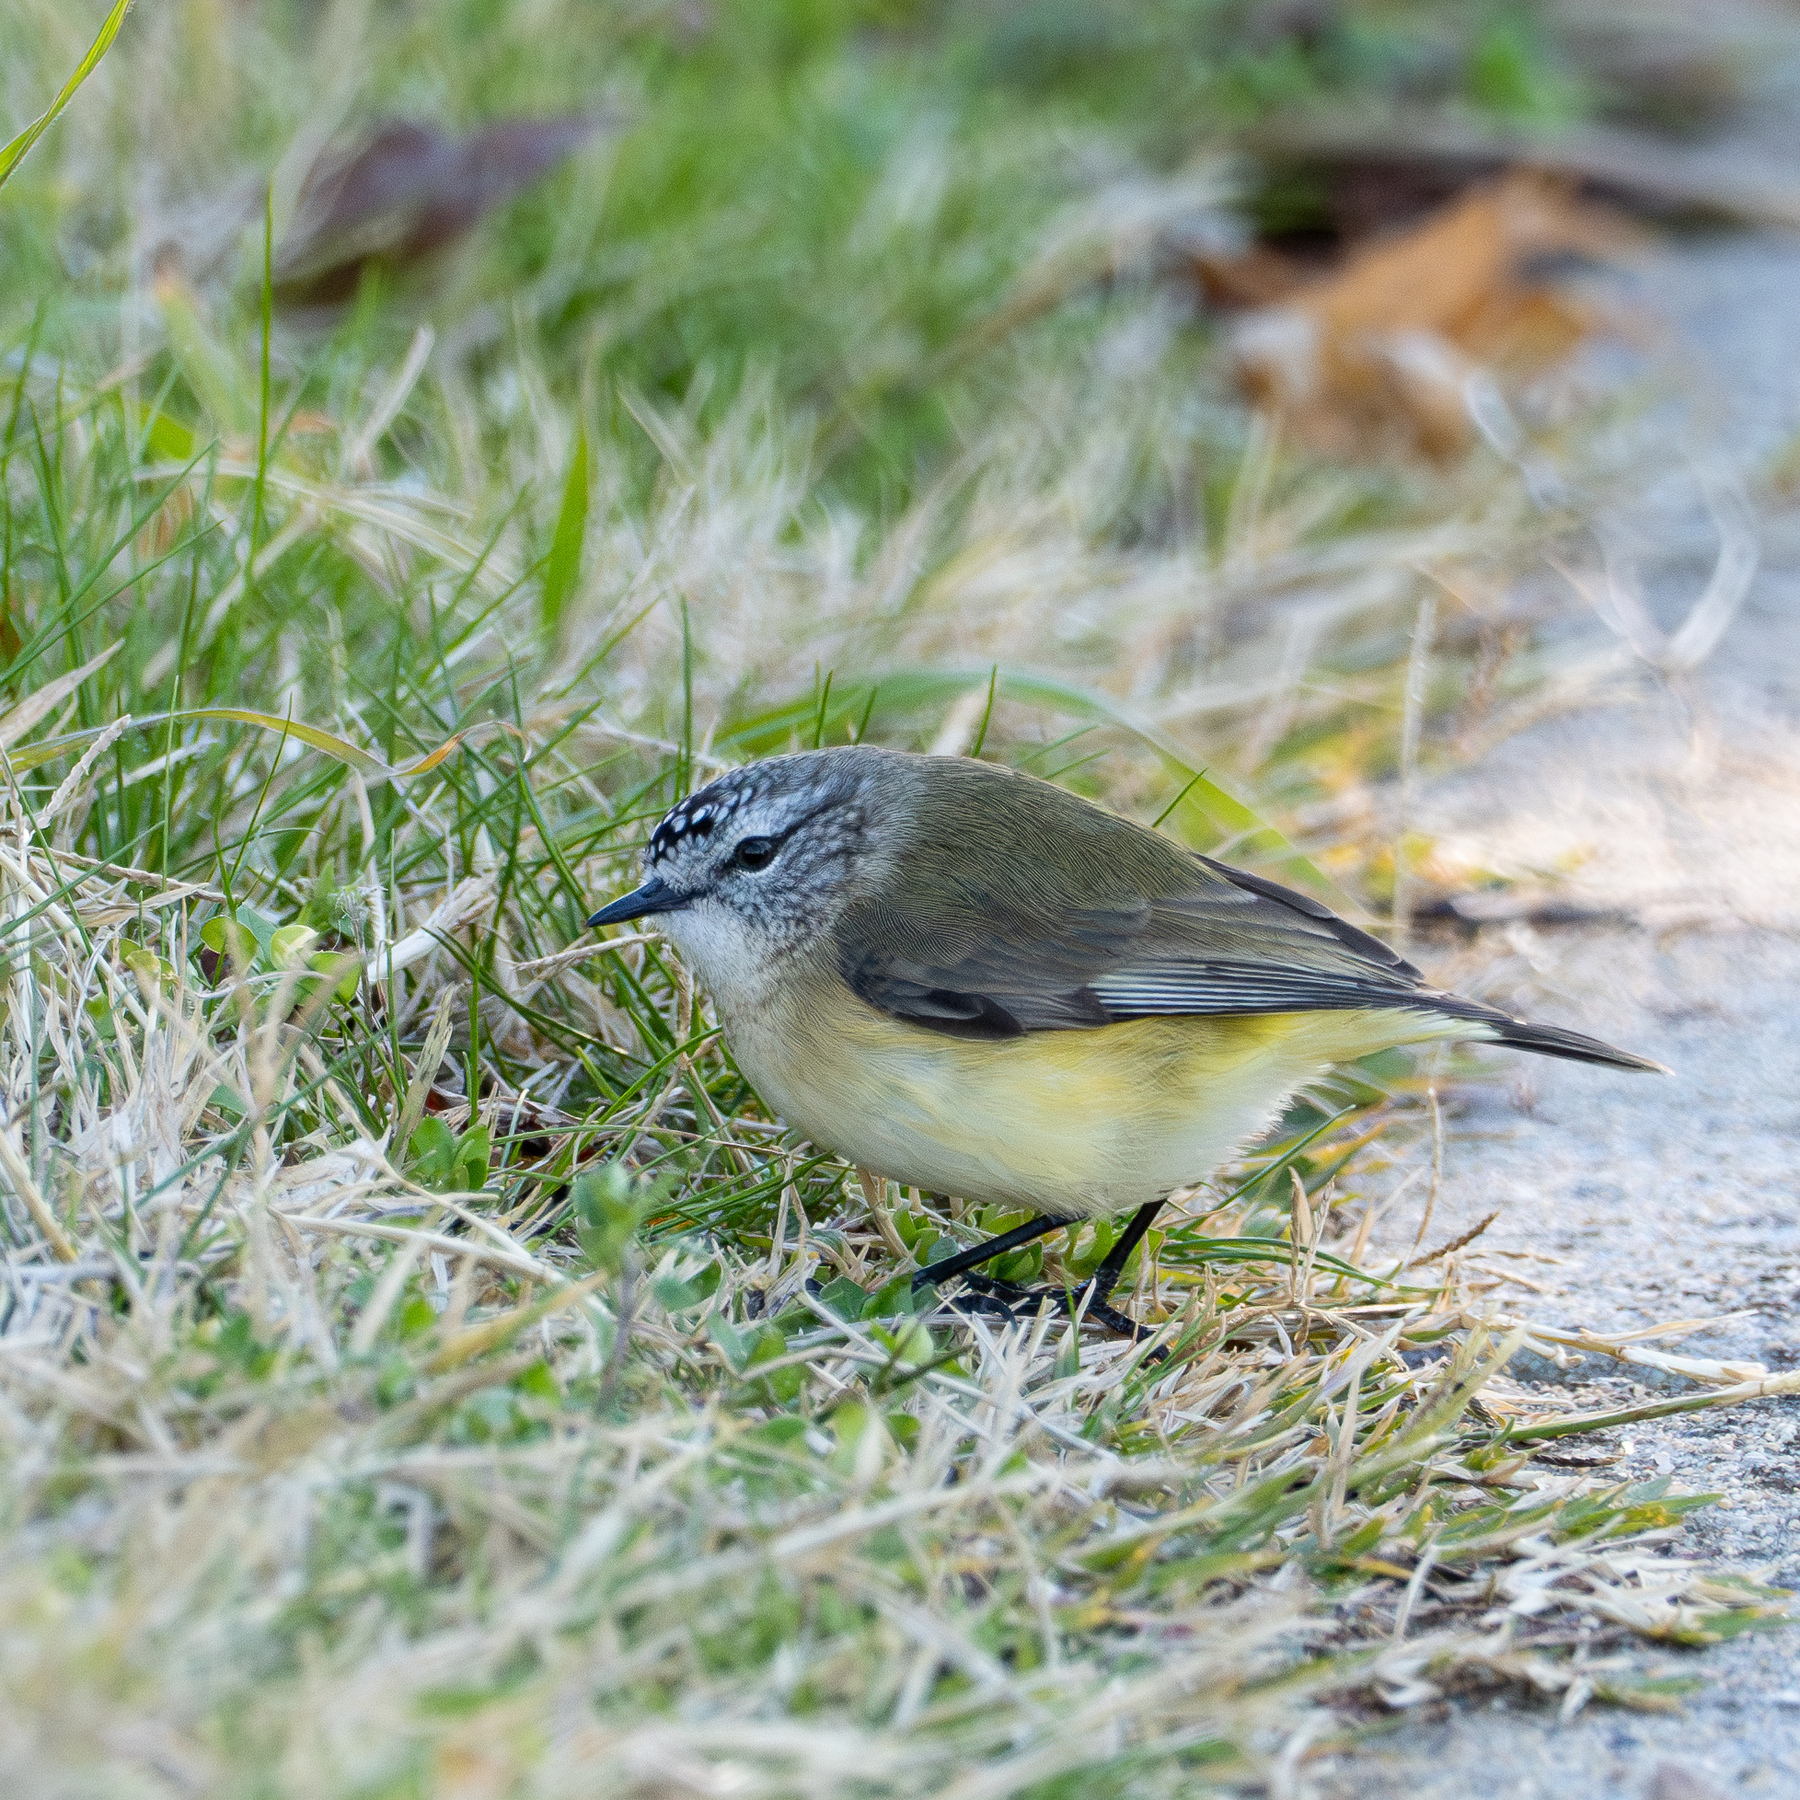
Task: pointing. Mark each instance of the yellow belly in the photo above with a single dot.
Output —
(1071, 1122)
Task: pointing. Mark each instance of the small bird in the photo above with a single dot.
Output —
(969, 980)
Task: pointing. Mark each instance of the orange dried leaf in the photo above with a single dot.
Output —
(1385, 346)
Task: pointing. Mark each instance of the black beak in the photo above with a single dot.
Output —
(655, 896)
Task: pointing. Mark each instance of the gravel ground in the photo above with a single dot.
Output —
(1648, 1199)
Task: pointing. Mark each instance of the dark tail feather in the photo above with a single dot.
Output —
(1552, 1040)
(1546, 1040)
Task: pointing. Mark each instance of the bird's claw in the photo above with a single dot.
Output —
(1009, 1301)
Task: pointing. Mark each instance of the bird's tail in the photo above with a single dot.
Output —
(1552, 1040)
(1452, 1016)
(1338, 1037)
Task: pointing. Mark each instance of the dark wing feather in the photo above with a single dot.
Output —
(975, 966)
(1076, 918)
(971, 970)
(1080, 918)
(1259, 949)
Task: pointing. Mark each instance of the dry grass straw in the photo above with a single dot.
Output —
(312, 1472)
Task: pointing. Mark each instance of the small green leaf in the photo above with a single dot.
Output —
(894, 1299)
(169, 441)
(844, 1298)
(432, 1150)
(473, 1152)
(675, 1295)
(766, 1347)
(451, 1164)
(223, 936)
(290, 945)
(149, 968)
(346, 965)
(1082, 1261)
(848, 1423)
(911, 1345)
(730, 1342)
(236, 1345)
(249, 935)
(538, 1382)
(417, 1315)
(1022, 1265)
(610, 1204)
(911, 1226)
(784, 1433)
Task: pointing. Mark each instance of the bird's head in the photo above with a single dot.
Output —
(763, 860)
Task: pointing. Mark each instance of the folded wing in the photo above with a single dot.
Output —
(1206, 939)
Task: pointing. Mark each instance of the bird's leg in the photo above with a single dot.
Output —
(1105, 1278)
(1099, 1286)
(939, 1272)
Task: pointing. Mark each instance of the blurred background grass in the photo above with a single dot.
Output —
(873, 334)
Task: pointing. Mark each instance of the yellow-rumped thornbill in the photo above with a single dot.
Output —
(969, 980)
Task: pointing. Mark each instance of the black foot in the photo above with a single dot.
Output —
(990, 1298)
(1099, 1312)
(991, 1295)
(978, 1294)
(963, 1261)
(1005, 1299)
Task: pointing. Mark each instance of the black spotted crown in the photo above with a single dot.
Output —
(699, 815)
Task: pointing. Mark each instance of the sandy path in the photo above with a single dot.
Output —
(1661, 1198)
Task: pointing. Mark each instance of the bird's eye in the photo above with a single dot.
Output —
(754, 853)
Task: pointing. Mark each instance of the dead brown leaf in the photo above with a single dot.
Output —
(1382, 349)
(404, 190)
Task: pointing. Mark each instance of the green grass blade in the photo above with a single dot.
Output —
(563, 570)
(365, 762)
(14, 153)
